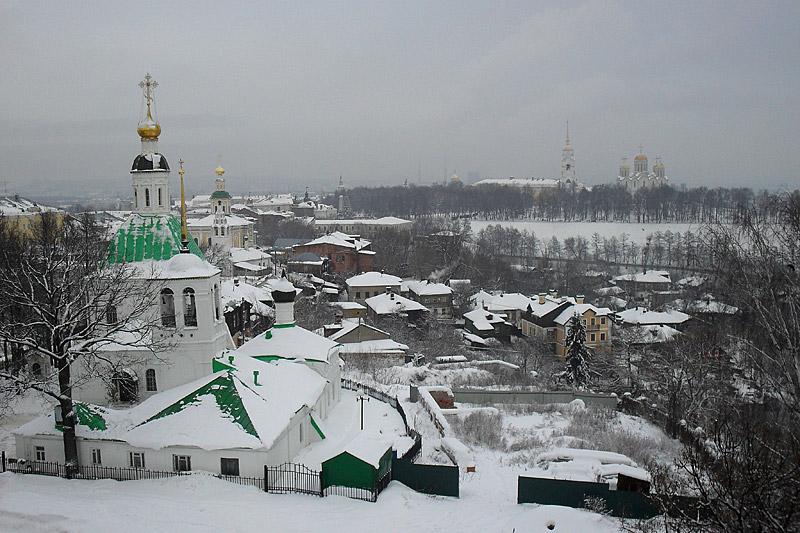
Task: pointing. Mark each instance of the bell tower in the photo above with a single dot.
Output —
(568, 160)
(150, 170)
(221, 208)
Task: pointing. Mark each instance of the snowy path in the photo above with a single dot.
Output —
(203, 504)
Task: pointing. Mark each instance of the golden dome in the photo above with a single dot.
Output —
(640, 157)
(149, 129)
(219, 170)
(658, 164)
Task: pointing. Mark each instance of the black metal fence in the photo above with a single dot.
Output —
(429, 479)
(360, 493)
(292, 478)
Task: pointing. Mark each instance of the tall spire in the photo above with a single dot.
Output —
(567, 142)
(184, 227)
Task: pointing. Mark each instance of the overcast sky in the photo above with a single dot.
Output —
(295, 93)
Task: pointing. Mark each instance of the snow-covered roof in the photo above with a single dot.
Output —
(368, 448)
(651, 276)
(649, 334)
(483, 320)
(383, 221)
(426, 288)
(248, 254)
(374, 279)
(244, 265)
(580, 309)
(289, 342)
(348, 305)
(230, 220)
(691, 281)
(471, 337)
(223, 410)
(16, 205)
(641, 316)
(709, 305)
(610, 291)
(380, 346)
(520, 182)
(148, 238)
(386, 304)
(337, 238)
(233, 291)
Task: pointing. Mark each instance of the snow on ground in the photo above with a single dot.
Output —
(199, 503)
(637, 233)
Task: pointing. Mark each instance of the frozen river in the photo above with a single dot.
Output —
(546, 230)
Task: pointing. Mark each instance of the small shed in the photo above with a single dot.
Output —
(365, 461)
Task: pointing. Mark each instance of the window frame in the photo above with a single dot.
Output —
(149, 374)
(227, 471)
(134, 457)
(40, 453)
(167, 303)
(189, 308)
(181, 463)
(97, 457)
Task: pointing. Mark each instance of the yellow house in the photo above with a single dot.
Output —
(596, 321)
(22, 215)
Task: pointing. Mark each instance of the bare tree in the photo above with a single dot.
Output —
(62, 302)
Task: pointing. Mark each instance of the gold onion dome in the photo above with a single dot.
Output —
(219, 170)
(640, 157)
(149, 129)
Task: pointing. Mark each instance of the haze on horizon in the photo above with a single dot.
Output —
(288, 95)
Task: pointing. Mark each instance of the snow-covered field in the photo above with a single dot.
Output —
(637, 233)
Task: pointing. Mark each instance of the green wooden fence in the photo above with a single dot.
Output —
(429, 479)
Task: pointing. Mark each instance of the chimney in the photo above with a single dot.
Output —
(283, 294)
(236, 282)
(230, 359)
(255, 378)
(542, 296)
(391, 295)
(579, 298)
(337, 319)
(553, 293)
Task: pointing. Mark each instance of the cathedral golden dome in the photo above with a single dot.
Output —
(219, 170)
(149, 128)
(640, 157)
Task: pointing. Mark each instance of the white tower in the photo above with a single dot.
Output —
(150, 170)
(221, 208)
(568, 160)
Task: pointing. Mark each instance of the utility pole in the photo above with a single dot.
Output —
(362, 398)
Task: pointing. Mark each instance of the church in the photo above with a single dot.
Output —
(200, 404)
(641, 177)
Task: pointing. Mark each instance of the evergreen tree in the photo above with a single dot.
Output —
(577, 370)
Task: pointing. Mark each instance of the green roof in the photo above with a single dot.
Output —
(228, 400)
(220, 194)
(87, 416)
(144, 237)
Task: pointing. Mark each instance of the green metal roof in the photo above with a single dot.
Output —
(220, 194)
(87, 416)
(228, 400)
(143, 237)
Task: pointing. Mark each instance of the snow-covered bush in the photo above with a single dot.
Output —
(484, 428)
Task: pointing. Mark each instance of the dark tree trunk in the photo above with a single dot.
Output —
(68, 417)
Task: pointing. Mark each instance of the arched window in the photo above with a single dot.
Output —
(147, 197)
(216, 302)
(150, 380)
(111, 314)
(189, 307)
(135, 197)
(167, 308)
(159, 196)
(125, 386)
(216, 231)
(36, 369)
(222, 231)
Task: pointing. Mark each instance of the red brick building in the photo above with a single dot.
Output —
(345, 253)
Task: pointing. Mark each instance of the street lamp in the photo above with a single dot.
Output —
(362, 397)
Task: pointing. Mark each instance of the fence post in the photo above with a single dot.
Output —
(321, 488)
(266, 479)
(4, 460)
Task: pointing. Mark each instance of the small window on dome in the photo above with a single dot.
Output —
(147, 197)
(159, 197)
